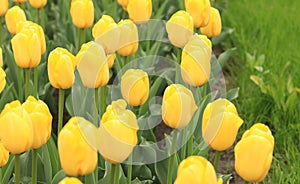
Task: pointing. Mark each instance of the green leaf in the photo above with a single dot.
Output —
(224, 34)
(226, 178)
(5, 98)
(53, 153)
(46, 163)
(161, 169)
(8, 169)
(58, 177)
(225, 56)
(260, 83)
(90, 178)
(231, 94)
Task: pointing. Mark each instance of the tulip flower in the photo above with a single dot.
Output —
(129, 38)
(139, 10)
(92, 65)
(123, 3)
(1, 58)
(199, 10)
(135, 87)
(195, 60)
(214, 26)
(253, 153)
(70, 180)
(16, 131)
(13, 16)
(107, 33)
(38, 3)
(110, 60)
(82, 13)
(196, 170)
(220, 124)
(4, 155)
(2, 79)
(178, 106)
(77, 155)
(180, 28)
(117, 134)
(3, 7)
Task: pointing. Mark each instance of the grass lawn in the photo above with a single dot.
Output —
(266, 66)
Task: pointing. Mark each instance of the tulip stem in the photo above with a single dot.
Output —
(81, 37)
(20, 87)
(102, 100)
(117, 170)
(129, 171)
(61, 99)
(172, 158)
(96, 105)
(41, 17)
(27, 82)
(114, 175)
(216, 162)
(34, 166)
(177, 67)
(190, 146)
(35, 82)
(17, 168)
(1, 175)
(183, 149)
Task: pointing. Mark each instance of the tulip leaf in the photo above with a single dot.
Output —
(141, 172)
(53, 153)
(137, 181)
(5, 98)
(69, 105)
(161, 169)
(224, 34)
(90, 178)
(58, 177)
(225, 56)
(8, 169)
(47, 163)
(226, 178)
(231, 94)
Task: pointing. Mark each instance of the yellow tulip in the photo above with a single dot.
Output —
(2, 79)
(61, 65)
(16, 131)
(27, 48)
(37, 29)
(82, 13)
(77, 155)
(214, 26)
(41, 119)
(13, 16)
(107, 33)
(117, 134)
(3, 7)
(129, 38)
(199, 10)
(123, 3)
(92, 65)
(196, 170)
(139, 10)
(178, 106)
(111, 59)
(253, 153)
(220, 124)
(195, 61)
(135, 87)
(1, 58)
(70, 180)
(180, 28)
(4, 155)
(38, 3)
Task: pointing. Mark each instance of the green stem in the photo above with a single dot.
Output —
(172, 158)
(216, 162)
(96, 111)
(17, 168)
(178, 67)
(183, 149)
(41, 17)
(35, 82)
(102, 100)
(116, 176)
(129, 171)
(1, 30)
(112, 173)
(34, 166)
(1, 175)
(61, 99)
(81, 37)
(20, 87)
(125, 61)
(190, 146)
(27, 82)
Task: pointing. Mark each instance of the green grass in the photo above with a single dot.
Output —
(269, 32)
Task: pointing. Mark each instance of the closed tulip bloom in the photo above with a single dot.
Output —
(111, 59)
(199, 10)
(70, 180)
(253, 153)
(195, 60)
(1, 57)
(4, 155)
(139, 11)
(135, 87)
(16, 131)
(123, 3)
(77, 156)
(41, 119)
(13, 16)
(107, 33)
(38, 3)
(129, 38)
(3, 7)
(220, 124)
(178, 106)
(196, 170)
(2, 79)
(92, 65)
(82, 13)
(214, 26)
(61, 65)
(117, 134)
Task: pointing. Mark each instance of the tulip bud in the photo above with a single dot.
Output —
(41, 119)
(77, 156)
(13, 16)
(1, 58)
(38, 3)
(196, 169)
(253, 153)
(180, 28)
(3, 7)
(178, 106)
(135, 87)
(70, 180)
(82, 13)
(199, 10)
(107, 33)
(15, 128)
(61, 65)
(214, 26)
(139, 10)
(2, 79)
(220, 124)
(195, 61)
(4, 155)
(128, 39)
(123, 3)
(117, 133)
(92, 65)
(110, 60)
